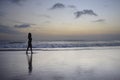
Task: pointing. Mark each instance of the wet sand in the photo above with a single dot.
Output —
(94, 64)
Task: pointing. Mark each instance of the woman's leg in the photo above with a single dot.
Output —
(31, 48)
(27, 49)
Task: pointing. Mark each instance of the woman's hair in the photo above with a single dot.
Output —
(29, 35)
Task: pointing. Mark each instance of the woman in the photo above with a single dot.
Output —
(29, 42)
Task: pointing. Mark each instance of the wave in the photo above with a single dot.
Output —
(59, 44)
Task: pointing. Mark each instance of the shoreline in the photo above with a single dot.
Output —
(60, 49)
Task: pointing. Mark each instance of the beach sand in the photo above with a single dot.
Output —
(86, 64)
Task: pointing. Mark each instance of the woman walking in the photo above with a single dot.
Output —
(29, 43)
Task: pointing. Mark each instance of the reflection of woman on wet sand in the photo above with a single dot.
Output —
(29, 59)
(29, 42)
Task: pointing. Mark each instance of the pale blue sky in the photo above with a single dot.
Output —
(60, 19)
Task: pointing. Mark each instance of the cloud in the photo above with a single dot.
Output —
(85, 12)
(18, 2)
(99, 20)
(58, 6)
(7, 29)
(72, 6)
(23, 26)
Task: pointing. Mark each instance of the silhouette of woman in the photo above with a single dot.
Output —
(29, 43)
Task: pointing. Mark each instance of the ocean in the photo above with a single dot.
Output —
(59, 44)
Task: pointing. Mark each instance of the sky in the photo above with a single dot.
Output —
(60, 19)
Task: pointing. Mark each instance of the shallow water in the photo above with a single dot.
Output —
(96, 64)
